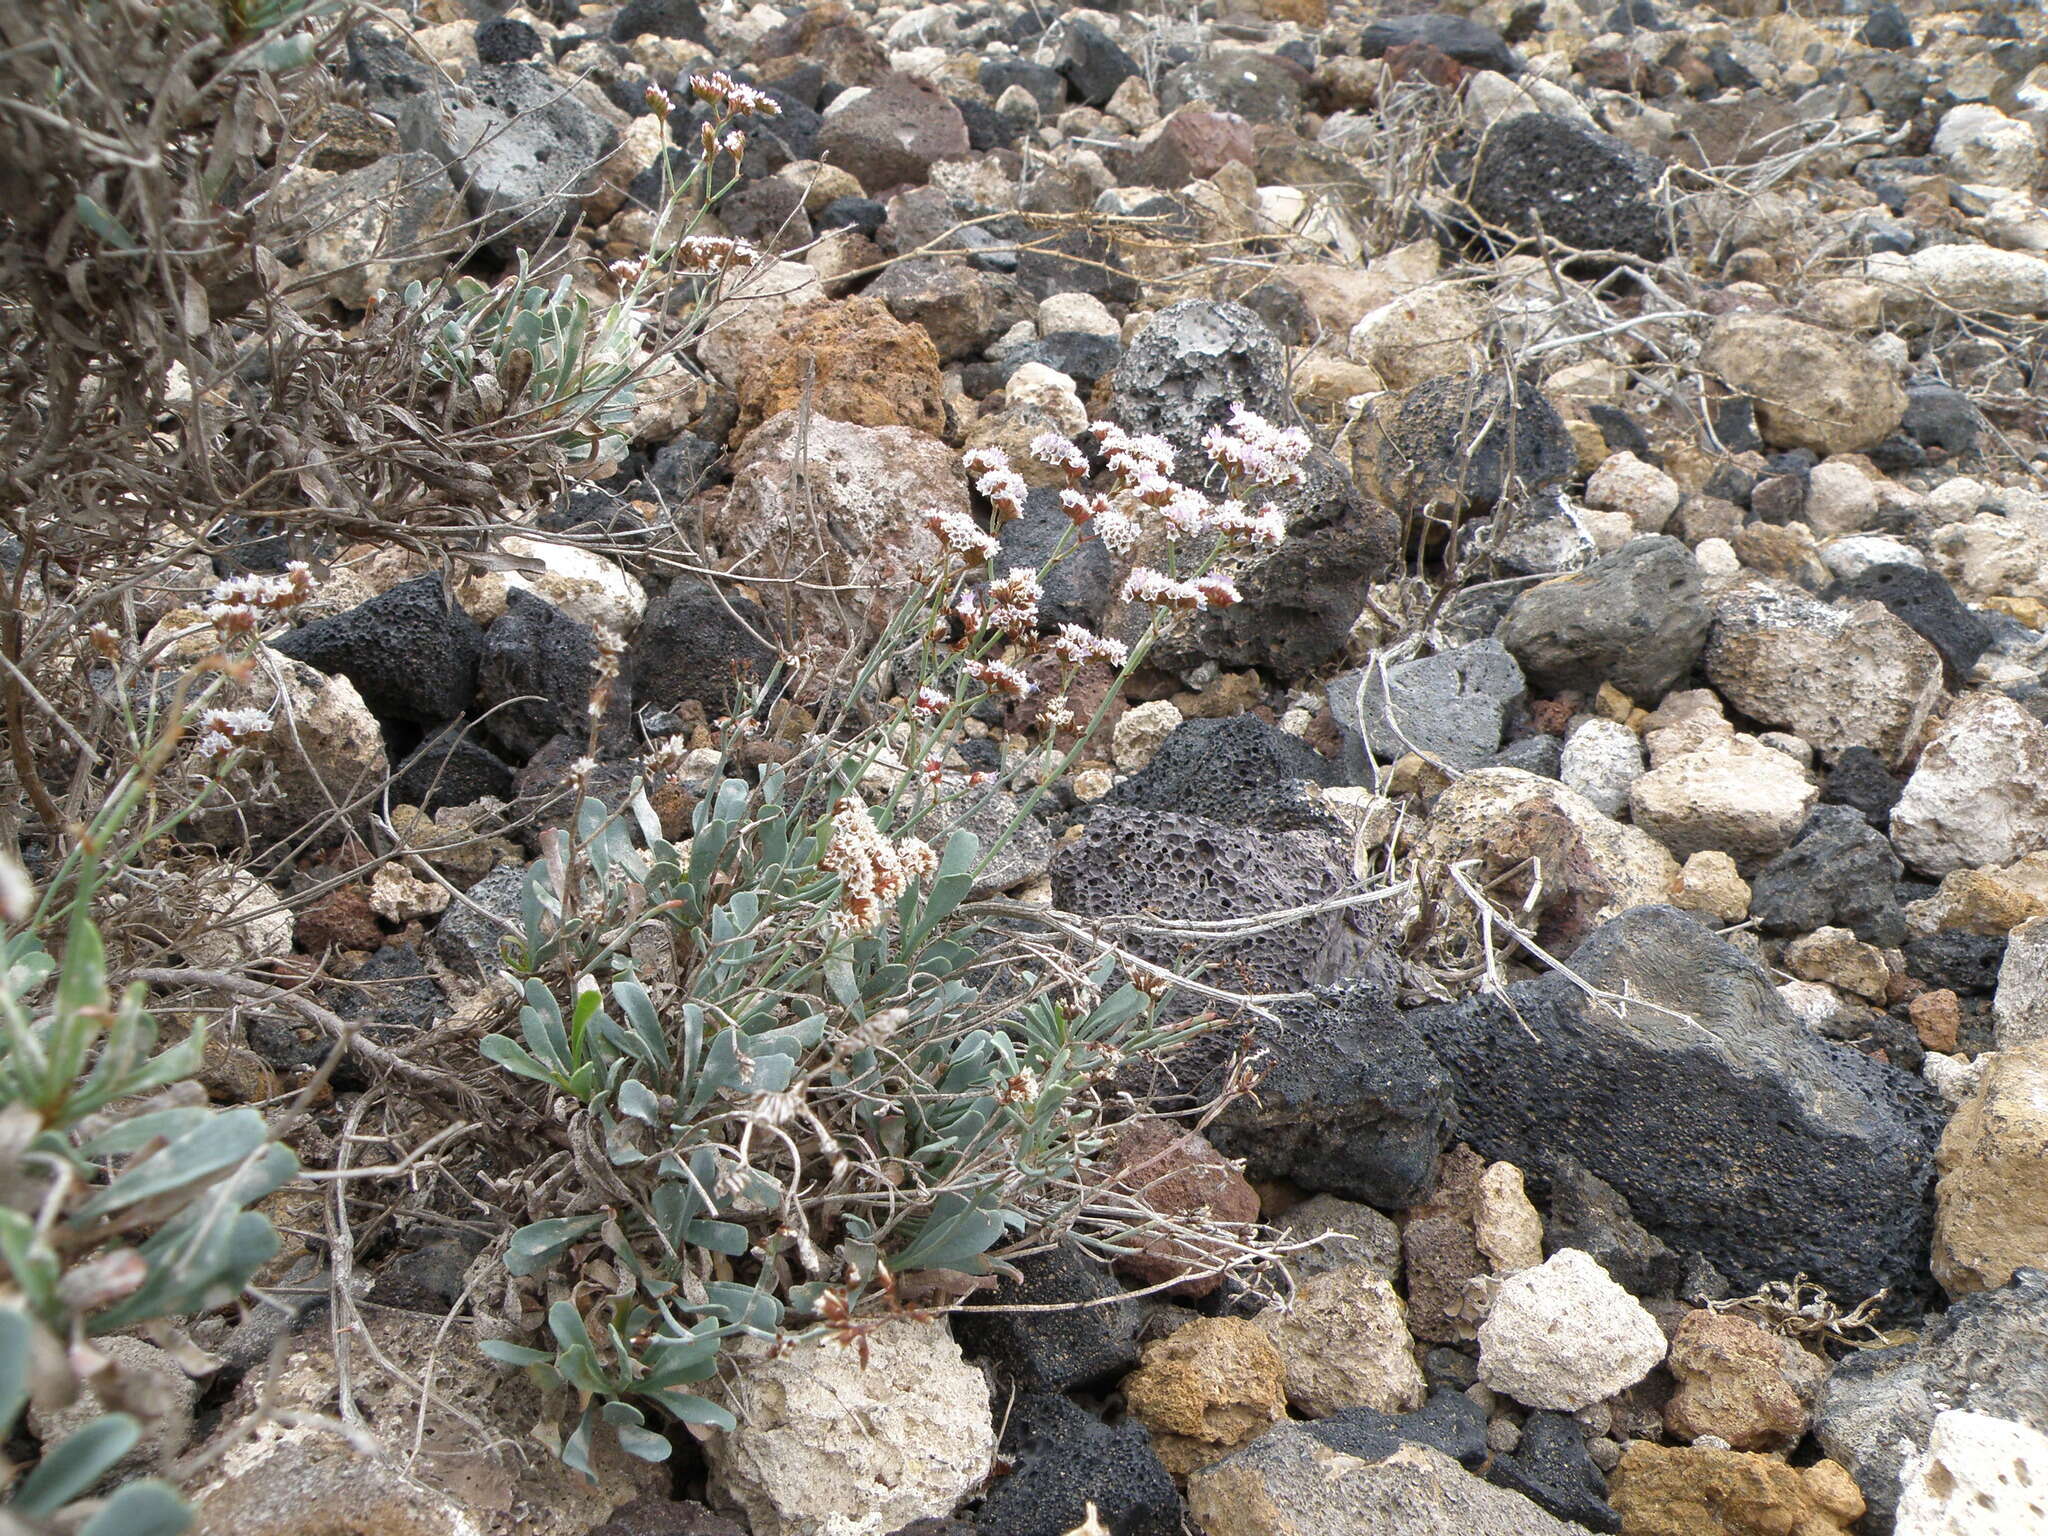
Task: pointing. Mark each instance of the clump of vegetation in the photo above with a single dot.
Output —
(124, 1202)
(802, 1079)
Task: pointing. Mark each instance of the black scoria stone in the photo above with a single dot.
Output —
(1926, 604)
(501, 40)
(1860, 780)
(1551, 1467)
(1965, 963)
(1886, 28)
(1238, 770)
(1471, 44)
(1581, 187)
(1352, 1103)
(1729, 1127)
(1064, 1462)
(1090, 1338)
(411, 651)
(1839, 873)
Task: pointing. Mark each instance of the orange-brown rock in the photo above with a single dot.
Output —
(1740, 1382)
(855, 362)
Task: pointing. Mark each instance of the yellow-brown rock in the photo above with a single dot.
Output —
(1991, 1196)
(1207, 1389)
(1680, 1491)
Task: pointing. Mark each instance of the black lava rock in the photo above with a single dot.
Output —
(1081, 1346)
(1046, 85)
(1727, 1125)
(1449, 1422)
(1092, 62)
(411, 651)
(1636, 618)
(1965, 963)
(387, 67)
(1238, 770)
(1840, 873)
(1541, 754)
(392, 995)
(861, 213)
(1940, 417)
(450, 768)
(429, 1278)
(1473, 45)
(987, 128)
(1255, 86)
(1886, 28)
(659, 18)
(1621, 432)
(1585, 189)
(698, 642)
(1434, 450)
(1197, 869)
(768, 212)
(1074, 261)
(1927, 605)
(536, 677)
(1551, 1467)
(1588, 1213)
(501, 40)
(1063, 1460)
(1352, 1103)
(1636, 16)
(470, 937)
(1284, 310)
(1077, 590)
(686, 466)
(1082, 356)
(1860, 780)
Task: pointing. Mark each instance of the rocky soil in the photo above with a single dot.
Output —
(1667, 605)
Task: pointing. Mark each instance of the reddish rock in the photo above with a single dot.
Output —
(1177, 1174)
(341, 919)
(1420, 61)
(1937, 1017)
(1741, 1383)
(1194, 143)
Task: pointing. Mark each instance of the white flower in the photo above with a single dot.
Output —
(719, 89)
(872, 871)
(960, 533)
(985, 461)
(1005, 489)
(1186, 515)
(1013, 602)
(1265, 526)
(1117, 530)
(1051, 449)
(1157, 589)
(999, 678)
(713, 253)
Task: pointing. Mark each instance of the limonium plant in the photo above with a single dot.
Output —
(802, 1080)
